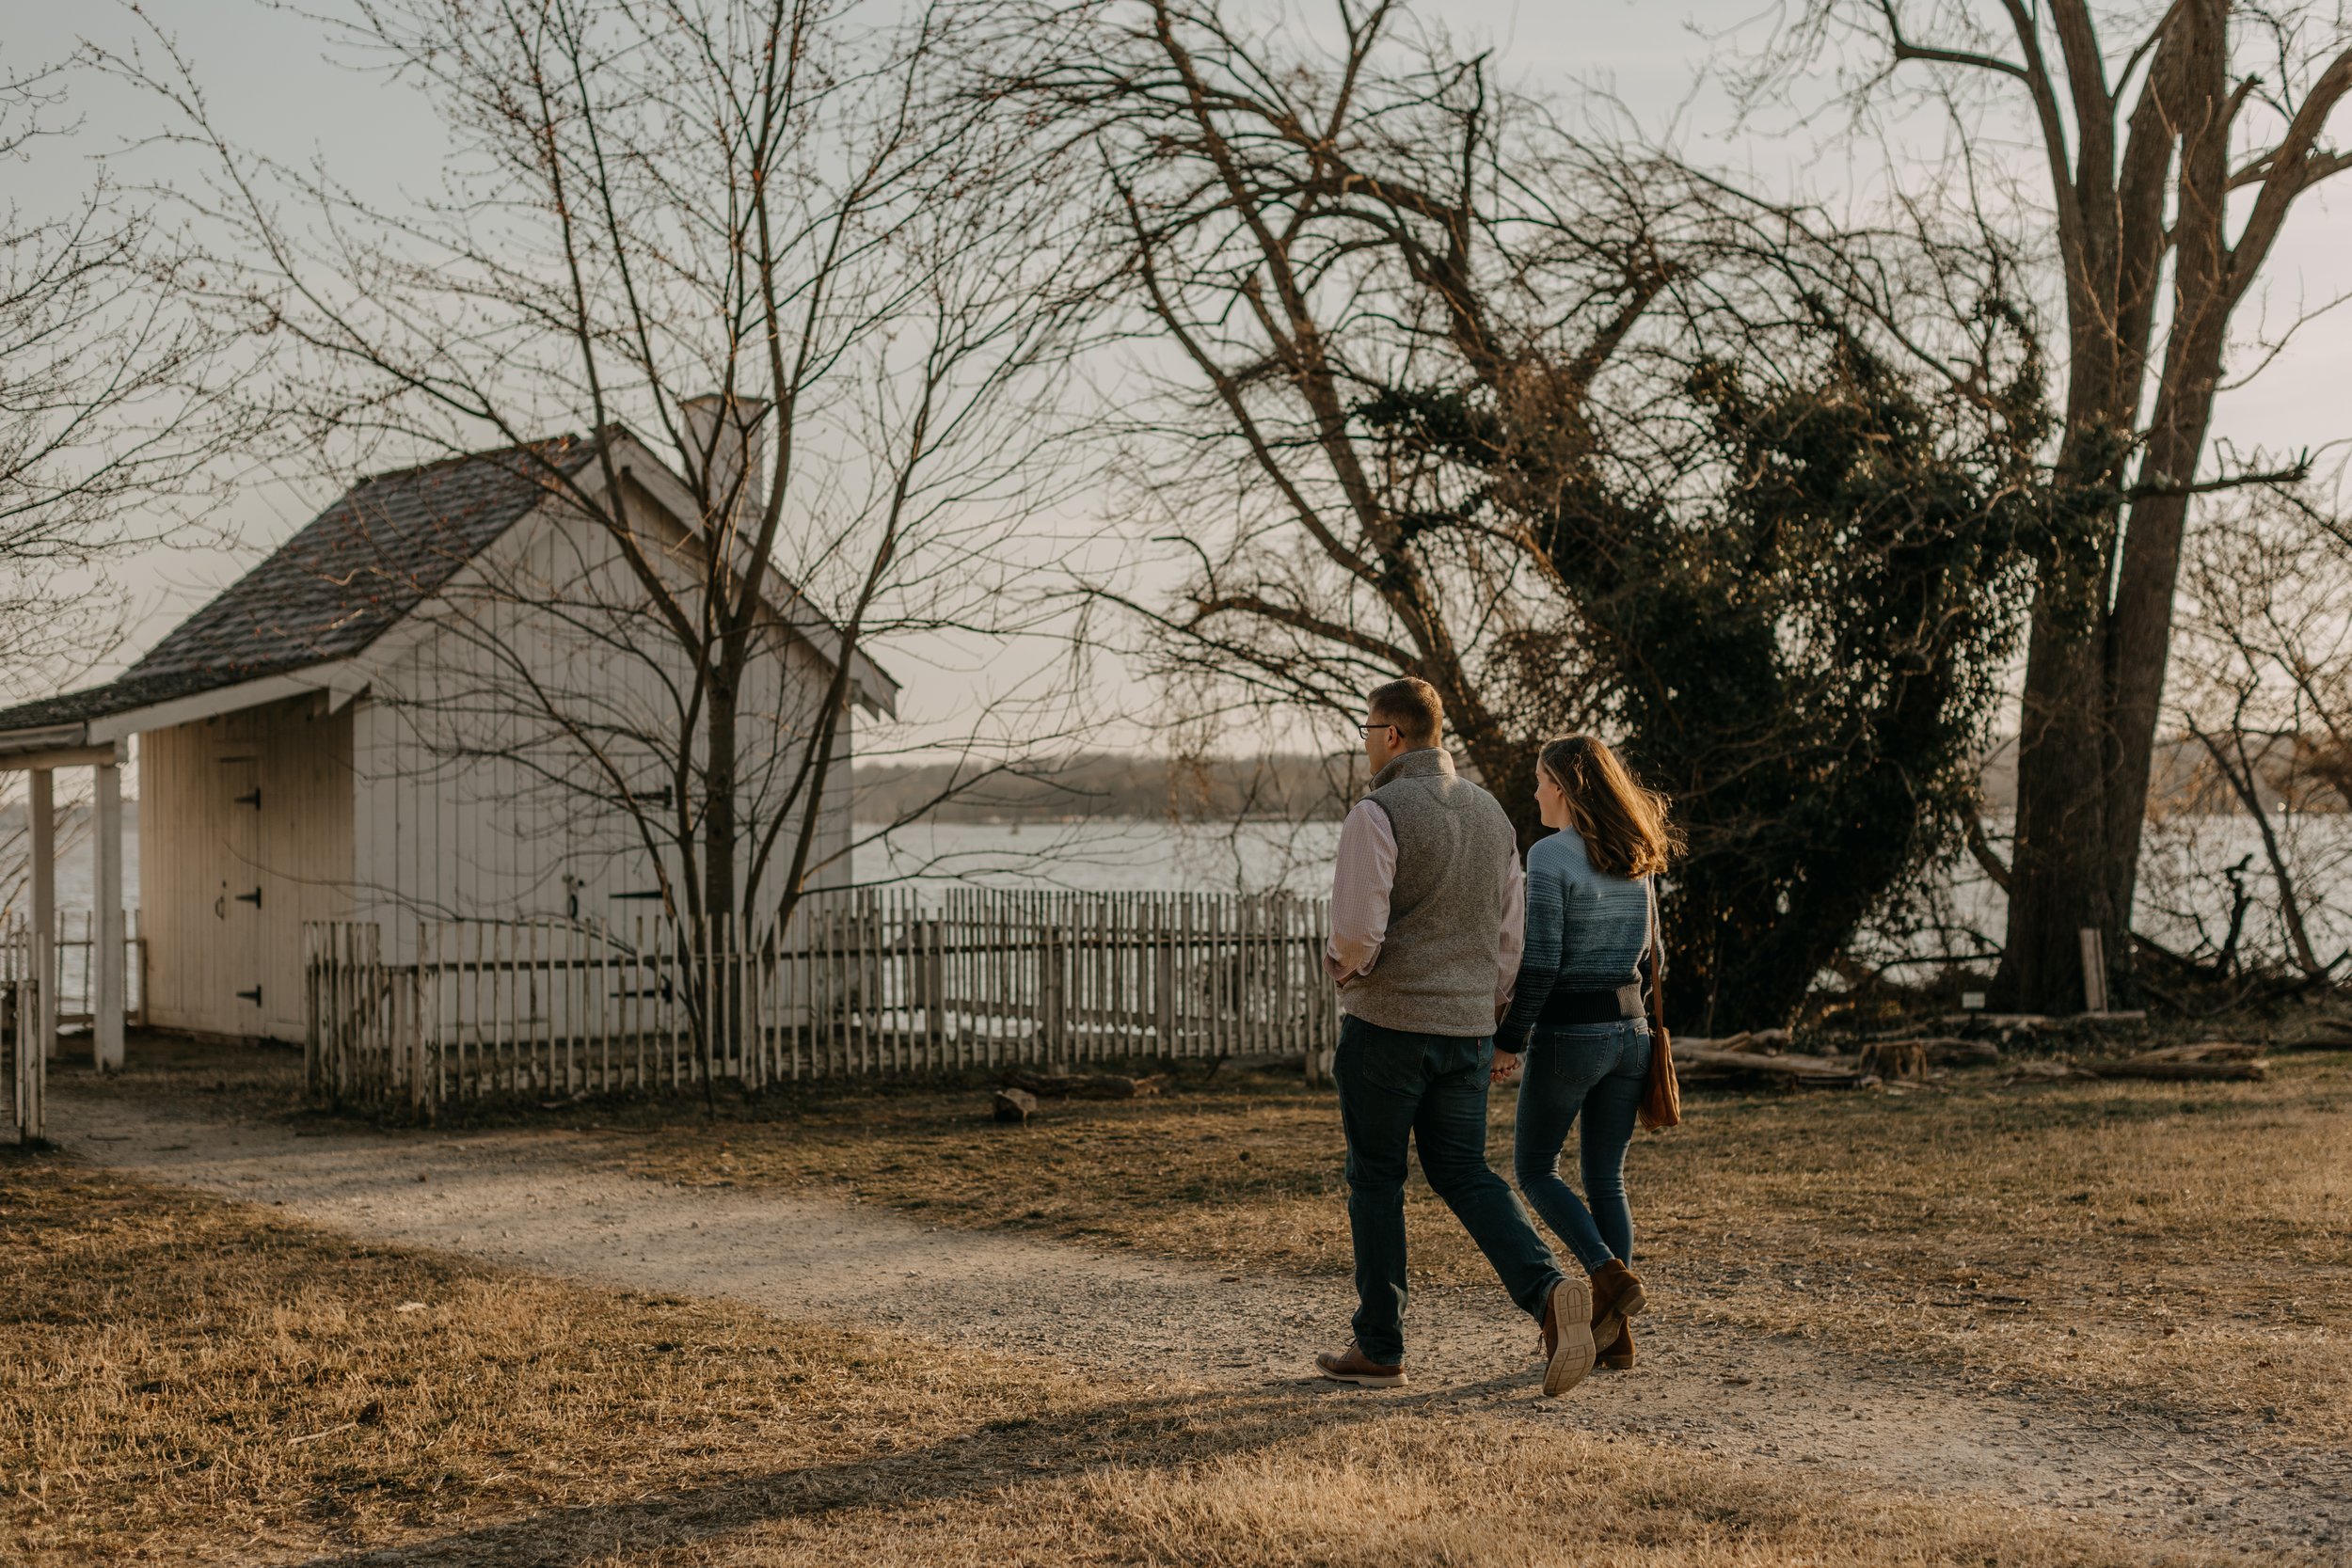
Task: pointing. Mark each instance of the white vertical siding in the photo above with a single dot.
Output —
(469, 799)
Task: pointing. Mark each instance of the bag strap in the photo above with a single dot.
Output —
(1656, 958)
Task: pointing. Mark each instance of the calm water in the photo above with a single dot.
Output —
(1114, 856)
(2184, 889)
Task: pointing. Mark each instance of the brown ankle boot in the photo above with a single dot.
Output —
(1619, 1357)
(1616, 1297)
(1353, 1366)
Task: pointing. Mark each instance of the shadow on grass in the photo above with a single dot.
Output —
(1153, 1432)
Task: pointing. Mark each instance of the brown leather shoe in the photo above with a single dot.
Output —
(1616, 1297)
(1567, 1337)
(1619, 1357)
(1353, 1366)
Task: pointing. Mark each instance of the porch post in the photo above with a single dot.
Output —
(107, 1001)
(40, 823)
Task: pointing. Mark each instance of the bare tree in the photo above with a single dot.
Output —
(111, 404)
(2264, 692)
(2175, 142)
(783, 291)
(1584, 439)
(1299, 232)
(113, 412)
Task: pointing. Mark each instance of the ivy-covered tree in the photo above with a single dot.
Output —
(1819, 666)
(1805, 652)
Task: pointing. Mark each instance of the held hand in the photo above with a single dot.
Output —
(1506, 1067)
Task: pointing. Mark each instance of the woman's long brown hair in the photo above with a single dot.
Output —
(1624, 826)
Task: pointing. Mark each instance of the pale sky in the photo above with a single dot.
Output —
(268, 78)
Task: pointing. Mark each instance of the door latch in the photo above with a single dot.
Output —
(253, 898)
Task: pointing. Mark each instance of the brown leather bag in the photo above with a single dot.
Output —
(1661, 1094)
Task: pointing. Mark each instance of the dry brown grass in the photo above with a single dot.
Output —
(197, 1381)
(2187, 1244)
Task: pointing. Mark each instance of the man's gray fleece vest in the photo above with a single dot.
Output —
(1437, 969)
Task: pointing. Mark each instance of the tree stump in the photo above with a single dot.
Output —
(1896, 1059)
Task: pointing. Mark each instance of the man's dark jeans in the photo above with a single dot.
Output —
(1397, 1087)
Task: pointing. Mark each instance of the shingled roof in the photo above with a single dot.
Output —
(338, 585)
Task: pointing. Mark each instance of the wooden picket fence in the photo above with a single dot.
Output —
(867, 983)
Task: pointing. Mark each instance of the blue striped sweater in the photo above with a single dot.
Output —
(1585, 930)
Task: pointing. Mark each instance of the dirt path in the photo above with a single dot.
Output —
(543, 1201)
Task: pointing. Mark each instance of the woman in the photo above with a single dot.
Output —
(1579, 1012)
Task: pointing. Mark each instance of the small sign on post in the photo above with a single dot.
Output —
(2094, 971)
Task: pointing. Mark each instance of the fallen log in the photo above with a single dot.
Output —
(1084, 1085)
(1947, 1050)
(2323, 1033)
(1952, 1048)
(2032, 1023)
(1996, 1021)
(2046, 1071)
(1708, 1064)
(1747, 1041)
(2203, 1051)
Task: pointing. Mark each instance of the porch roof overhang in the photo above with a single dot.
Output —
(94, 727)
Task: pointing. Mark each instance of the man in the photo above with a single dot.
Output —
(1426, 924)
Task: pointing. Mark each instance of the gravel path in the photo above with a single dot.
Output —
(543, 1200)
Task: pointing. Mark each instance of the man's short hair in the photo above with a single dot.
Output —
(1413, 706)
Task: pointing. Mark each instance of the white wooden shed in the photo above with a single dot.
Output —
(344, 734)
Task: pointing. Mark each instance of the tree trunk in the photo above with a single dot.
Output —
(2070, 759)
(2058, 868)
(2139, 638)
(719, 846)
(2140, 627)
(719, 826)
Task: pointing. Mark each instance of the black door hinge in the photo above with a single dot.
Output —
(253, 898)
(253, 996)
(253, 800)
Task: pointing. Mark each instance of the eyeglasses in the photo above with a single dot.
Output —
(1365, 730)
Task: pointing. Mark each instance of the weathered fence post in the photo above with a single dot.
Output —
(22, 963)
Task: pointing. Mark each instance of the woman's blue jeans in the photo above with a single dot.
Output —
(1598, 1071)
